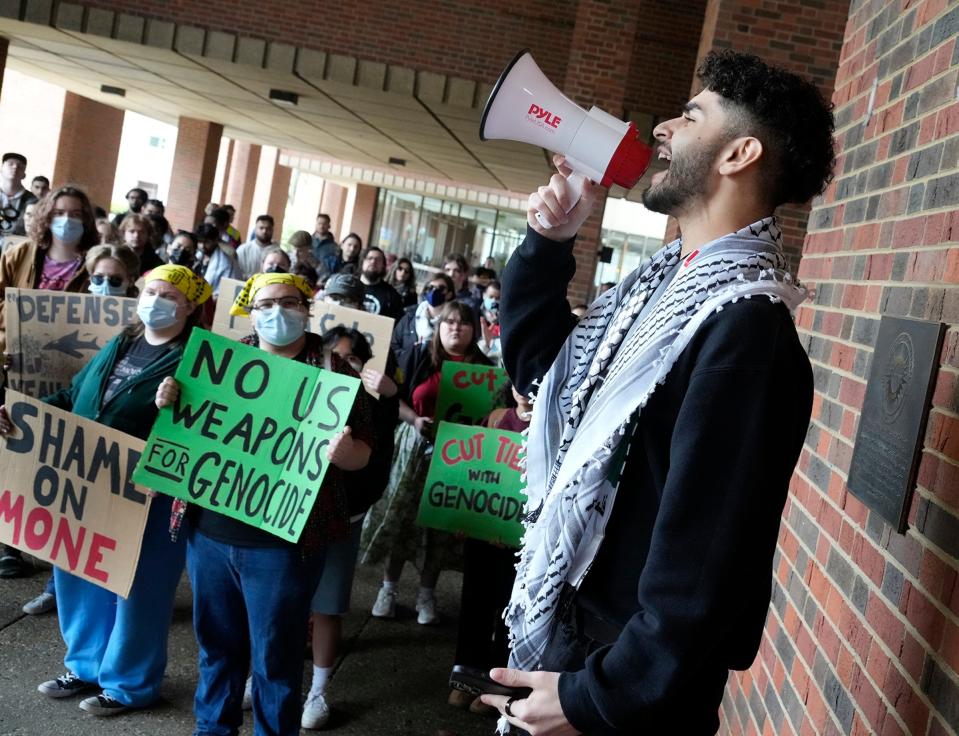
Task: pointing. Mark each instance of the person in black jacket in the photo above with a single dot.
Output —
(667, 426)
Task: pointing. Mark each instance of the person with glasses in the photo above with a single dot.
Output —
(390, 533)
(418, 322)
(251, 589)
(402, 278)
(117, 645)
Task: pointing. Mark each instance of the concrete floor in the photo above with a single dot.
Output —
(390, 679)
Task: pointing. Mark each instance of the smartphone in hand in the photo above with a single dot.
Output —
(477, 682)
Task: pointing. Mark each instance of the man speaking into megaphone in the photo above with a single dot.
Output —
(666, 423)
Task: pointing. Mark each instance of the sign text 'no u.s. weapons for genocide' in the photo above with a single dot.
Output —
(468, 392)
(248, 435)
(376, 328)
(66, 494)
(474, 484)
(51, 335)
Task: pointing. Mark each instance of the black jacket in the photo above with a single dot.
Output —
(684, 571)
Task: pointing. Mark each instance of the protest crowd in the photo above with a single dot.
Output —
(266, 416)
(375, 465)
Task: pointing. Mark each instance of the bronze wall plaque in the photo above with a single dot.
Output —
(885, 458)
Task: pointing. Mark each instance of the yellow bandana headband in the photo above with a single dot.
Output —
(195, 288)
(241, 306)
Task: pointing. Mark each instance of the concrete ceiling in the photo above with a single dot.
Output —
(349, 110)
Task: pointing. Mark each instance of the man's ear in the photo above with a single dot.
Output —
(739, 154)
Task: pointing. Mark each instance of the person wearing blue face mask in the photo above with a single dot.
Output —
(418, 322)
(113, 270)
(63, 230)
(251, 589)
(118, 645)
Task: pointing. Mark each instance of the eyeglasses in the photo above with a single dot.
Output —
(114, 281)
(441, 289)
(287, 302)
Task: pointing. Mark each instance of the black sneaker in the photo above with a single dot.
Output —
(65, 686)
(12, 565)
(103, 705)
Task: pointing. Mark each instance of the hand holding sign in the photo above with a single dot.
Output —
(6, 426)
(468, 392)
(167, 392)
(346, 453)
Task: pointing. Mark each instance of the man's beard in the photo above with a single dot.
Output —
(374, 277)
(684, 181)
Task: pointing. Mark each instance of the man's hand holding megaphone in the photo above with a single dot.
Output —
(554, 203)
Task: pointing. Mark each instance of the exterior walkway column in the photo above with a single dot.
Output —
(194, 166)
(89, 147)
(241, 183)
(597, 74)
(789, 34)
(333, 203)
(272, 189)
(4, 45)
(359, 210)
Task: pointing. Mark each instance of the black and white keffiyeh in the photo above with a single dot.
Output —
(603, 376)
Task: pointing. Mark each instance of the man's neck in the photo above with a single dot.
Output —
(370, 281)
(262, 243)
(10, 187)
(714, 220)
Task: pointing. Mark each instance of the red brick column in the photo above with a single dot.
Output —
(272, 189)
(360, 208)
(194, 166)
(241, 183)
(597, 74)
(333, 203)
(89, 146)
(789, 33)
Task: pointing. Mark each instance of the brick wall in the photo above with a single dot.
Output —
(863, 632)
(464, 39)
(241, 183)
(88, 147)
(194, 166)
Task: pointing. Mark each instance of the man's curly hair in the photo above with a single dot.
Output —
(785, 112)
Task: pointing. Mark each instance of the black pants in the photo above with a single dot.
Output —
(488, 574)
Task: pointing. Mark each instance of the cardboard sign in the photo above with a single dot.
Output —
(468, 392)
(376, 328)
(474, 484)
(51, 335)
(248, 435)
(66, 495)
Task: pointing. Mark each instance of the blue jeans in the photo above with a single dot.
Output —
(250, 606)
(119, 643)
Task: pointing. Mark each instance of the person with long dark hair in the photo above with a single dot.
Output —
(390, 533)
(402, 277)
(119, 645)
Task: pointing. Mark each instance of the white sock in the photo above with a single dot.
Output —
(320, 677)
(389, 586)
(425, 593)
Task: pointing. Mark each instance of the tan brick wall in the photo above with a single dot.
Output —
(88, 148)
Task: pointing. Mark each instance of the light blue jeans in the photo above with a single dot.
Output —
(122, 644)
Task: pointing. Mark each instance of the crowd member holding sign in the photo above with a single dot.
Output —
(482, 640)
(252, 589)
(114, 644)
(668, 421)
(64, 229)
(390, 533)
(331, 601)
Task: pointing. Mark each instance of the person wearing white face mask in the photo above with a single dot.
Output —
(114, 644)
(113, 270)
(251, 589)
(63, 230)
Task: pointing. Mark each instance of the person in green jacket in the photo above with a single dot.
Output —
(117, 645)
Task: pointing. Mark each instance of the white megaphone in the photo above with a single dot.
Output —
(525, 106)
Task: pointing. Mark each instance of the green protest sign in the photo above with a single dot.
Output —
(468, 392)
(248, 434)
(474, 484)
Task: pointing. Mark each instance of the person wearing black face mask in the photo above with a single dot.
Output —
(418, 322)
(182, 251)
(275, 260)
